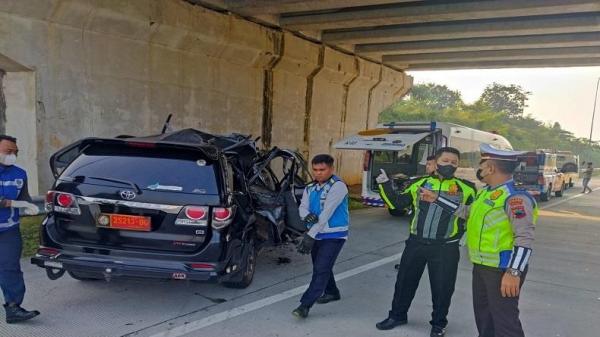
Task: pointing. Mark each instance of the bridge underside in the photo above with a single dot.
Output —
(426, 35)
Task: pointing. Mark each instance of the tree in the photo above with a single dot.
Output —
(507, 99)
(436, 97)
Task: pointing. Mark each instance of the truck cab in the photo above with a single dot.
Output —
(537, 173)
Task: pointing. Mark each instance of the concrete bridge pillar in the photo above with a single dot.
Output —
(357, 106)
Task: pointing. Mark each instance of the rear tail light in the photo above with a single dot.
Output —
(541, 180)
(201, 266)
(192, 216)
(47, 251)
(366, 160)
(49, 205)
(62, 202)
(142, 145)
(222, 217)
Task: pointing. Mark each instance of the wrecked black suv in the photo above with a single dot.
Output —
(181, 205)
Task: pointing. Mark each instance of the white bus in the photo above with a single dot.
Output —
(401, 149)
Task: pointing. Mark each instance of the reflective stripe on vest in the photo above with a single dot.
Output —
(489, 231)
(451, 189)
(12, 180)
(337, 225)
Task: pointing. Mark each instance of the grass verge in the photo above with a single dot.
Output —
(355, 203)
(30, 231)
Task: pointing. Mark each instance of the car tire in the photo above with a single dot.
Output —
(571, 184)
(85, 277)
(249, 269)
(397, 212)
(546, 196)
(559, 193)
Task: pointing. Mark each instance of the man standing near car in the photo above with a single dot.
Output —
(430, 166)
(500, 233)
(13, 197)
(324, 210)
(587, 176)
(434, 238)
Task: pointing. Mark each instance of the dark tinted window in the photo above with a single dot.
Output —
(151, 169)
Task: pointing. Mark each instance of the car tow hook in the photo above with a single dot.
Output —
(54, 273)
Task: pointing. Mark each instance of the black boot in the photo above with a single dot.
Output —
(301, 311)
(390, 323)
(436, 331)
(326, 298)
(15, 313)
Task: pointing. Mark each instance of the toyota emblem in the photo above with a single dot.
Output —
(127, 195)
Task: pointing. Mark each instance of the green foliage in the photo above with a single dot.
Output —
(30, 229)
(507, 99)
(505, 117)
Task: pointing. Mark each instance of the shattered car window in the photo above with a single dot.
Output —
(176, 171)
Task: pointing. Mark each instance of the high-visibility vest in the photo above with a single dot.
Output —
(432, 222)
(490, 235)
(337, 225)
(12, 180)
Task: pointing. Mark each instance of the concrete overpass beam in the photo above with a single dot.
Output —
(453, 11)
(480, 44)
(253, 7)
(466, 30)
(535, 63)
(500, 55)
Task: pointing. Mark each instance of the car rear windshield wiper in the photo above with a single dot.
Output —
(132, 184)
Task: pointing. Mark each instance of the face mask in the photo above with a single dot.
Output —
(446, 171)
(8, 159)
(480, 176)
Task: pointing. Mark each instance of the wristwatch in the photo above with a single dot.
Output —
(514, 272)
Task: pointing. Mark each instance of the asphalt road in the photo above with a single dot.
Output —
(561, 296)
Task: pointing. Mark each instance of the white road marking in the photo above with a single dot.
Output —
(252, 306)
(567, 199)
(225, 315)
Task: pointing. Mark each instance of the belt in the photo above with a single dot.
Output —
(453, 240)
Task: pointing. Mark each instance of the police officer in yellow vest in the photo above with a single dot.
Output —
(500, 232)
(433, 242)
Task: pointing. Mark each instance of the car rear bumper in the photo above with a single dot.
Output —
(108, 268)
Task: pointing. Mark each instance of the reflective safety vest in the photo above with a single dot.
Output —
(431, 222)
(337, 225)
(12, 179)
(490, 236)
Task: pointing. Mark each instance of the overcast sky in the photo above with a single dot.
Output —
(565, 95)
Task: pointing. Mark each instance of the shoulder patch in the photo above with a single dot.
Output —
(496, 194)
(516, 206)
(516, 201)
(453, 189)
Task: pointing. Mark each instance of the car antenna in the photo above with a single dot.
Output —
(167, 125)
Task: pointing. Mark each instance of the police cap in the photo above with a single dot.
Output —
(490, 152)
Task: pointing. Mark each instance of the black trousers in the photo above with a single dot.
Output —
(495, 316)
(442, 264)
(324, 254)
